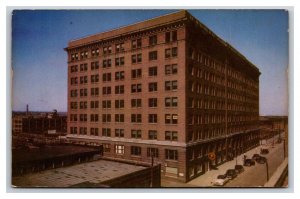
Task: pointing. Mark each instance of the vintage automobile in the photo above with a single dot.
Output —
(239, 168)
(261, 160)
(264, 151)
(249, 162)
(221, 180)
(231, 174)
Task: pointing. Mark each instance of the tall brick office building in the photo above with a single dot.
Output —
(167, 86)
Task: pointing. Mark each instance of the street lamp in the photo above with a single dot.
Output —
(267, 167)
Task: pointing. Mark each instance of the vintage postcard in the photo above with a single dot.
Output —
(149, 98)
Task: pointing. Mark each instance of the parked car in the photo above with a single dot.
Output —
(255, 156)
(264, 151)
(231, 174)
(239, 168)
(221, 180)
(249, 162)
(261, 160)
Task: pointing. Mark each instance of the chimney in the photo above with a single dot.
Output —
(27, 109)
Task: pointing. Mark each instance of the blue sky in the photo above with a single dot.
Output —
(40, 63)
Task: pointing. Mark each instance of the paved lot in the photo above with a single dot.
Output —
(93, 172)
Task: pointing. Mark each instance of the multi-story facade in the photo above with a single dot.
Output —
(167, 87)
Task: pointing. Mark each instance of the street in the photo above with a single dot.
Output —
(256, 175)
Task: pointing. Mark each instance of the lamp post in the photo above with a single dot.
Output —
(267, 167)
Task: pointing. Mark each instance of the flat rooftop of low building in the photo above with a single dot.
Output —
(48, 152)
(94, 172)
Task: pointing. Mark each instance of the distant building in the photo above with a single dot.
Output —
(17, 124)
(167, 87)
(38, 123)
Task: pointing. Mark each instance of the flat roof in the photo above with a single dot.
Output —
(136, 27)
(47, 152)
(91, 172)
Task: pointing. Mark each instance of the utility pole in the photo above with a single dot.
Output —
(152, 161)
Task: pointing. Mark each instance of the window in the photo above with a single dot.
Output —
(136, 133)
(94, 118)
(171, 154)
(106, 104)
(73, 117)
(174, 52)
(119, 149)
(94, 65)
(106, 118)
(136, 73)
(171, 36)
(135, 150)
(120, 75)
(106, 147)
(94, 78)
(73, 105)
(83, 67)
(152, 151)
(152, 102)
(107, 50)
(94, 91)
(83, 92)
(136, 58)
(136, 88)
(106, 63)
(136, 118)
(73, 130)
(83, 105)
(94, 131)
(83, 79)
(106, 132)
(83, 117)
(119, 89)
(171, 85)
(152, 40)
(137, 43)
(153, 55)
(106, 77)
(95, 52)
(174, 35)
(73, 93)
(171, 135)
(119, 132)
(119, 61)
(74, 57)
(135, 103)
(84, 55)
(120, 47)
(106, 90)
(171, 69)
(171, 102)
(94, 104)
(74, 80)
(152, 118)
(152, 135)
(119, 117)
(153, 71)
(119, 103)
(171, 118)
(171, 52)
(152, 86)
(74, 68)
(83, 131)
